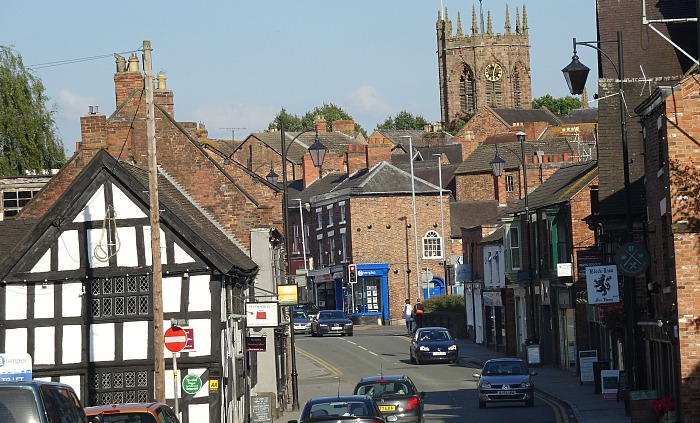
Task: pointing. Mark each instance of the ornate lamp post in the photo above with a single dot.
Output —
(318, 153)
(576, 74)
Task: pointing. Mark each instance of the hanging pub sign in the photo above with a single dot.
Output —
(602, 285)
(261, 315)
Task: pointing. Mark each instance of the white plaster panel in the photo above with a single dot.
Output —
(43, 264)
(202, 337)
(16, 306)
(200, 296)
(181, 255)
(147, 242)
(198, 412)
(102, 342)
(95, 239)
(124, 207)
(94, 209)
(16, 340)
(44, 345)
(73, 382)
(172, 286)
(127, 256)
(68, 251)
(136, 340)
(72, 299)
(169, 388)
(72, 344)
(44, 300)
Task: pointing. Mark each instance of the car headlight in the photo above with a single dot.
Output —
(527, 384)
(452, 348)
(485, 384)
(422, 348)
(348, 325)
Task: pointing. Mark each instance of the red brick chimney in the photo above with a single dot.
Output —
(93, 134)
(320, 124)
(127, 81)
(309, 172)
(356, 158)
(345, 126)
(164, 97)
(501, 195)
(377, 153)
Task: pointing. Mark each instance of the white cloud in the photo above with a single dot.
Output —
(72, 105)
(367, 100)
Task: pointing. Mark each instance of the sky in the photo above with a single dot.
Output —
(237, 63)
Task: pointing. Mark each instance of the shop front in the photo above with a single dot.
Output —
(327, 288)
(370, 294)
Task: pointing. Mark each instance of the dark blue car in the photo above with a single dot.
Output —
(433, 344)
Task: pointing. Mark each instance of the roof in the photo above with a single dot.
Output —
(584, 132)
(588, 115)
(513, 116)
(560, 187)
(383, 377)
(418, 138)
(471, 214)
(453, 152)
(334, 141)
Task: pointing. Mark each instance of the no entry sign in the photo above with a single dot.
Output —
(175, 339)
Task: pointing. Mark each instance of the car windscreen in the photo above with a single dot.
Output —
(17, 405)
(331, 315)
(435, 335)
(383, 389)
(339, 409)
(126, 417)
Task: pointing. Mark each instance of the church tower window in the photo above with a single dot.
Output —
(494, 93)
(517, 101)
(467, 90)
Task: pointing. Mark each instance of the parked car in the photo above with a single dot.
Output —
(333, 322)
(308, 308)
(395, 395)
(302, 322)
(153, 412)
(39, 402)
(505, 379)
(433, 344)
(355, 408)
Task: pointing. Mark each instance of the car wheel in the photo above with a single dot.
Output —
(413, 359)
(530, 402)
(454, 361)
(482, 404)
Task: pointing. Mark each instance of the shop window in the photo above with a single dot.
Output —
(432, 245)
(368, 299)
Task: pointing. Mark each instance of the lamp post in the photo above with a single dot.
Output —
(576, 74)
(413, 204)
(318, 153)
(497, 167)
(442, 221)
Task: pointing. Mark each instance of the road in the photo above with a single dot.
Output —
(342, 361)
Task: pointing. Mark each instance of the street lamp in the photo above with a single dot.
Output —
(497, 167)
(442, 223)
(575, 74)
(318, 153)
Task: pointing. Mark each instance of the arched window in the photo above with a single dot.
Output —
(494, 93)
(432, 245)
(517, 101)
(467, 90)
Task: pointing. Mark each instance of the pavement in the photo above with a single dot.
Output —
(586, 406)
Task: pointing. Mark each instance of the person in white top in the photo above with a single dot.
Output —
(408, 316)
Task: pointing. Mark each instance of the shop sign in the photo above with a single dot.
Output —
(602, 285)
(368, 272)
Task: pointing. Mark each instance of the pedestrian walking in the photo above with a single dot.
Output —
(408, 316)
(418, 311)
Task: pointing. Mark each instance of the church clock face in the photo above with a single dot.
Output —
(493, 72)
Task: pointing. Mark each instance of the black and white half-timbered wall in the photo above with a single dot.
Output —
(76, 292)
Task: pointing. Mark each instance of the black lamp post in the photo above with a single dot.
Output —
(497, 167)
(576, 74)
(318, 153)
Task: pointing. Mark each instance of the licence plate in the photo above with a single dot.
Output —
(440, 353)
(507, 392)
(387, 407)
(336, 328)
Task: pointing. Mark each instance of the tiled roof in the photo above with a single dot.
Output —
(12, 232)
(334, 141)
(589, 115)
(513, 116)
(572, 132)
(418, 138)
(225, 147)
(470, 214)
(453, 152)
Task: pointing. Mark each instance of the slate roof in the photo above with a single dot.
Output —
(470, 214)
(586, 132)
(179, 212)
(589, 115)
(334, 141)
(480, 159)
(452, 152)
(418, 138)
(223, 147)
(560, 187)
(513, 116)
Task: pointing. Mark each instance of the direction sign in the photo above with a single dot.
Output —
(175, 339)
(191, 383)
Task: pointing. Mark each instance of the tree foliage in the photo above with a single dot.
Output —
(330, 113)
(28, 138)
(403, 121)
(559, 106)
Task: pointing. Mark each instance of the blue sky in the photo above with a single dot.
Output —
(235, 63)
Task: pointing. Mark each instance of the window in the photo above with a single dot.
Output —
(517, 102)
(514, 247)
(14, 200)
(331, 249)
(296, 241)
(330, 215)
(305, 239)
(343, 246)
(494, 95)
(341, 206)
(117, 386)
(432, 245)
(319, 218)
(467, 93)
(121, 296)
(510, 183)
(320, 252)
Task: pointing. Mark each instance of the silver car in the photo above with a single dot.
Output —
(505, 380)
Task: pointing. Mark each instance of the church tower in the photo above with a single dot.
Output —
(483, 68)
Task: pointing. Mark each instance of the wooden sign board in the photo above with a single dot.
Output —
(640, 406)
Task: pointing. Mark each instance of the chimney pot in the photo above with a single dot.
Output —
(133, 63)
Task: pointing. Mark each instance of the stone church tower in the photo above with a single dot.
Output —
(484, 68)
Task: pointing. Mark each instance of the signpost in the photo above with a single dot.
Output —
(175, 339)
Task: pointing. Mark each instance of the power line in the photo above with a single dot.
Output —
(71, 61)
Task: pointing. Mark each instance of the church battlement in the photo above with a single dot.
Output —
(477, 32)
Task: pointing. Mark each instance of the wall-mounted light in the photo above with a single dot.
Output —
(388, 226)
(369, 226)
(395, 271)
(408, 225)
(435, 225)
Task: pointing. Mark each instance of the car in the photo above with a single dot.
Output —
(433, 344)
(308, 308)
(331, 322)
(505, 379)
(302, 322)
(395, 395)
(39, 402)
(354, 408)
(151, 412)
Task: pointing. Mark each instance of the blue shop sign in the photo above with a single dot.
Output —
(368, 272)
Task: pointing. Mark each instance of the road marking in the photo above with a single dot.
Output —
(321, 362)
(559, 411)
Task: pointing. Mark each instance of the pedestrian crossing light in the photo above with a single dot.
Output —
(352, 273)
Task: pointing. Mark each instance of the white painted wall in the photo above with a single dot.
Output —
(102, 342)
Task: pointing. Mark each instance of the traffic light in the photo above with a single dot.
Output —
(352, 273)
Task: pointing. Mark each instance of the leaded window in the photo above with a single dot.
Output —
(120, 296)
(432, 245)
(118, 387)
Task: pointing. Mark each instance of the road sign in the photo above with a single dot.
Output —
(191, 383)
(175, 339)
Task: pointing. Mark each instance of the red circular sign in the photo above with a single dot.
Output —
(175, 339)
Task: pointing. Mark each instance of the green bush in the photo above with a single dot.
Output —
(445, 303)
